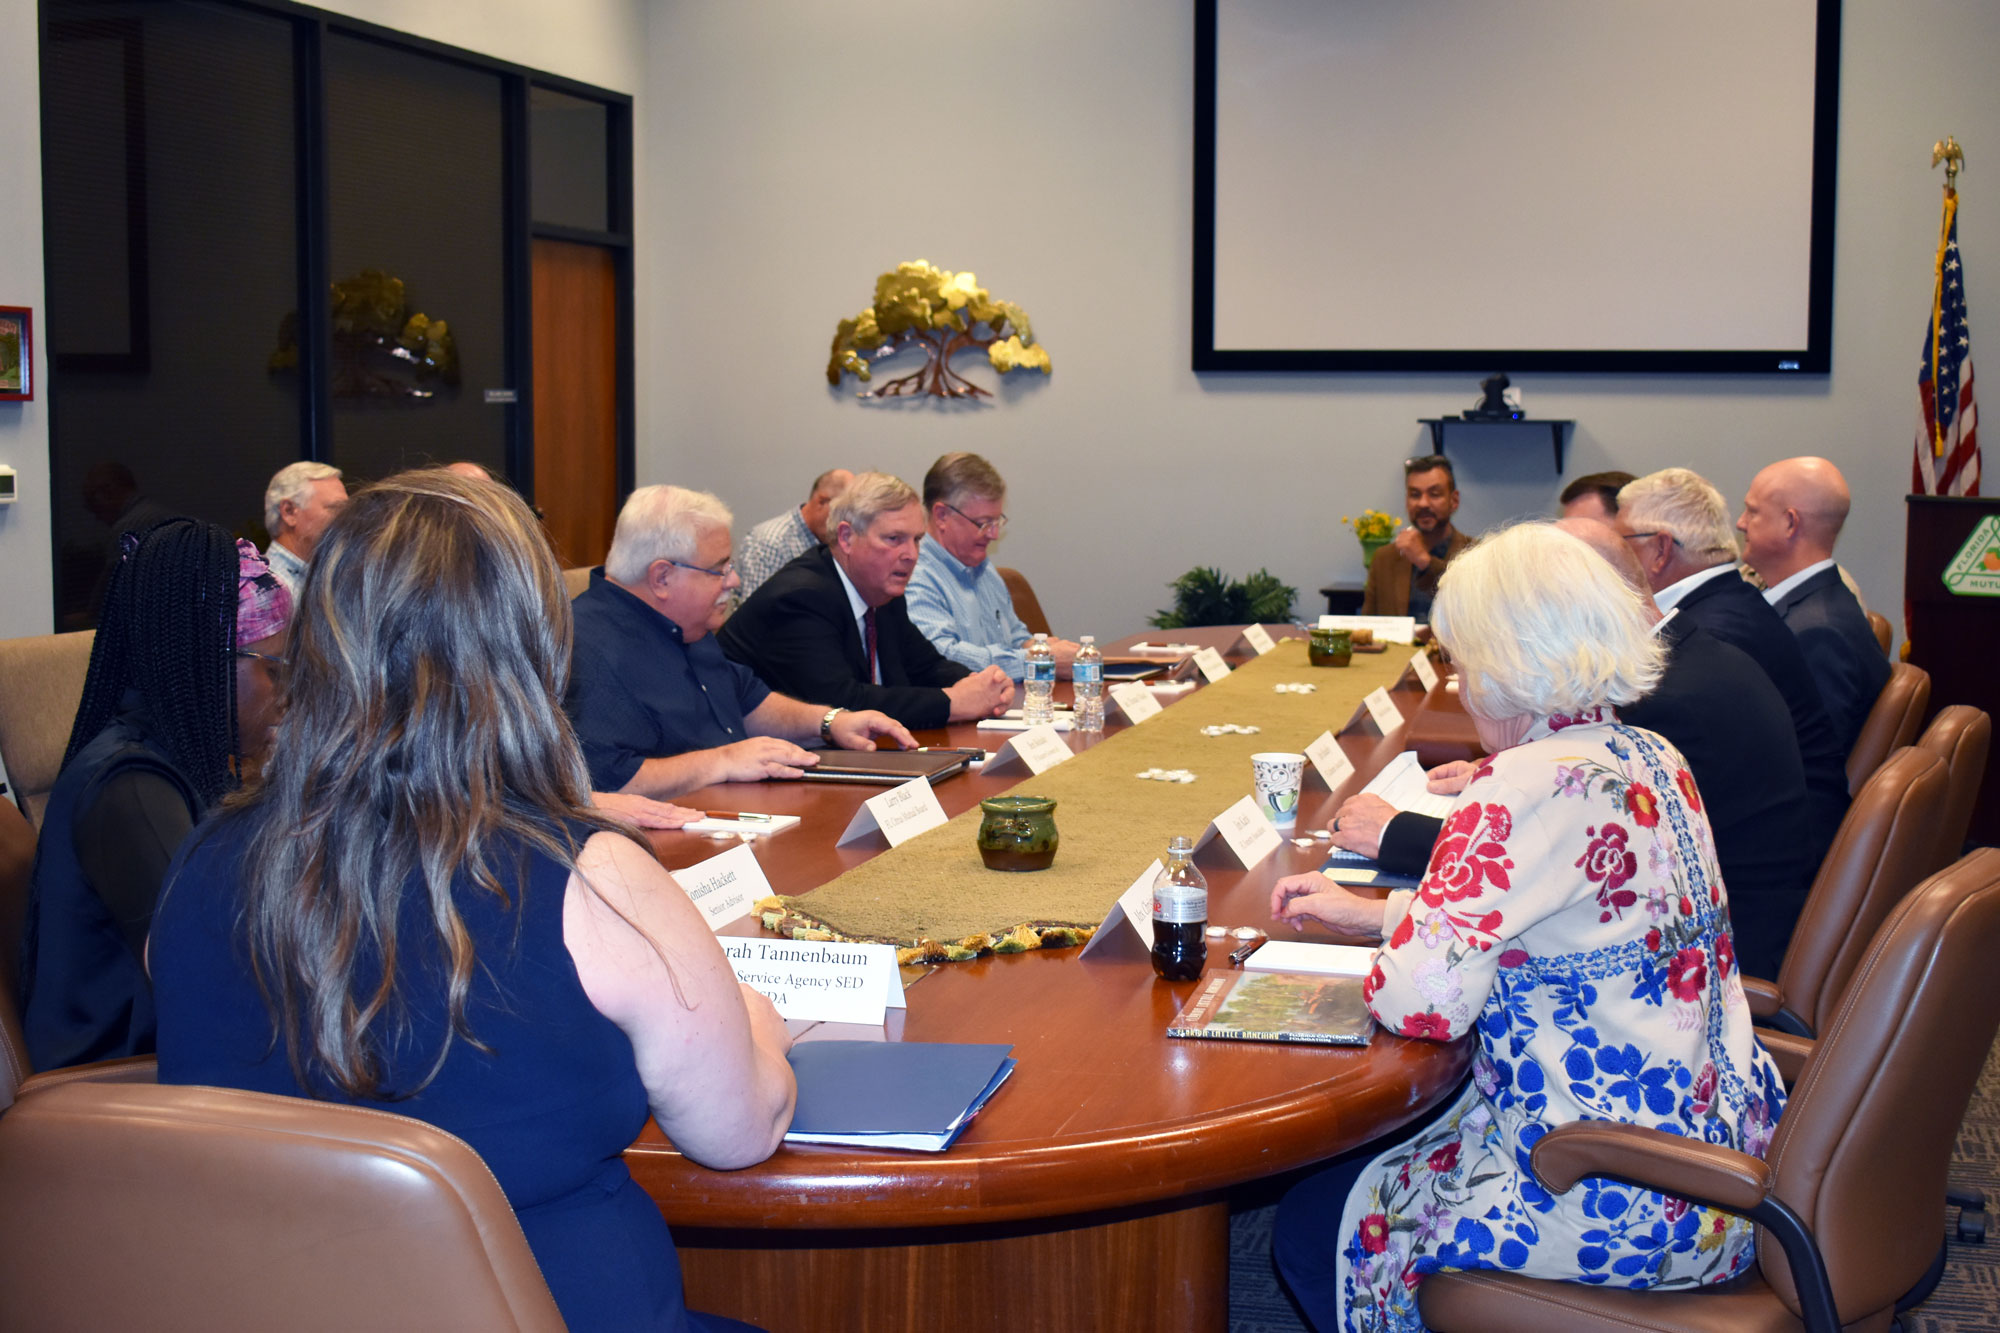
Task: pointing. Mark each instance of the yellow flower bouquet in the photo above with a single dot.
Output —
(1375, 530)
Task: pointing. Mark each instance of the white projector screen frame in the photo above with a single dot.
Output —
(1557, 185)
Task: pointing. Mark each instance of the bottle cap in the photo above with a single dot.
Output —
(1086, 638)
(1039, 638)
(1181, 843)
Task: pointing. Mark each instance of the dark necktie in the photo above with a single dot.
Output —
(874, 667)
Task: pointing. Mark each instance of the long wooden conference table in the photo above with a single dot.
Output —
(1090, 1192)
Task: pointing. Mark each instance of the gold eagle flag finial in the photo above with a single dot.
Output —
(1947, 151)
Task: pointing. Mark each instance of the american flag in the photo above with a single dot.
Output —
(1947, 454)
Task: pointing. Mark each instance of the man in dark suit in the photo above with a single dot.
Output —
(1791, 519)
(1728, 721)
(833, 625)
(1678, 526)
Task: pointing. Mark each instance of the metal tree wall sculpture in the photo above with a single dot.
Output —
(943, 314)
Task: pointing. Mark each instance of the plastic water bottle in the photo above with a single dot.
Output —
(1180, 915)
(1038, 702)
(1087, 675)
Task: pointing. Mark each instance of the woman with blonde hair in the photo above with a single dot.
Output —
(418, 910)
(1573, 915)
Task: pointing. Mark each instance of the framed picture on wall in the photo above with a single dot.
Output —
(17, 354)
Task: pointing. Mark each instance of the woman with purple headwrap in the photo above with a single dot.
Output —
(182, 695)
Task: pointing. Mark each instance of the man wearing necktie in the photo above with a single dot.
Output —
(834, 624)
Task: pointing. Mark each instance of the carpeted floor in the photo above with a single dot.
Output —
(1966, 1301)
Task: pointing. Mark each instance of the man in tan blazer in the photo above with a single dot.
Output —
(1403, 577)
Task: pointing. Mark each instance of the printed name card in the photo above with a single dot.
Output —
(1134, 905)
(1383, 709)
(1243, 828)
(1040, 748)
(826, 982)
(724, 887)
(1388, 629)
(1213, 668)
(1427, 675)
(1330, 761)
(900, 813)
(1259, 639)
(1134, 700)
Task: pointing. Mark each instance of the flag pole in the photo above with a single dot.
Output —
(1947, 151)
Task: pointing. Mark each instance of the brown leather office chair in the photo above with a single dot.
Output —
(1961, 736)
(1847, 1198)
(1026, 604)
(144, 1207)
(576, 580)
(1886, 845)
(1893, 722)
(1885, 633)
(41, 684)
(17, 864)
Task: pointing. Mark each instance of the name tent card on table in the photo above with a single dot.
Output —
(900, 813)
(1387, 629)
(1259, 639)
(1383, 709)
(1211, 665)
(1427, 675)
(1135, 701)
(1135, 905)
(724, 887)
(824, 981)
(1330, 761)
(1244, 830)
(1039, 748)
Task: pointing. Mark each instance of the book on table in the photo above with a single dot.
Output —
(892, 1094)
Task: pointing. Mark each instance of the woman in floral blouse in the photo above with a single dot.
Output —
(1573, 916)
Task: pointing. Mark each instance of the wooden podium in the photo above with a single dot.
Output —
(1954, 635)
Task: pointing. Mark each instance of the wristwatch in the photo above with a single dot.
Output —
(826, 724)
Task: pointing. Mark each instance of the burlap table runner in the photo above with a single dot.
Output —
(1111, 822)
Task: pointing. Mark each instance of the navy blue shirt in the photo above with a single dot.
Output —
(638, 690)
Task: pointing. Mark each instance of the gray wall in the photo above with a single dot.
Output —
(798, 149)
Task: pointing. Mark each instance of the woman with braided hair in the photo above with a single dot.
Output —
(181, 697)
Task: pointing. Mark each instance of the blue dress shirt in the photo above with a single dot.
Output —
(638, 690)
(966, 612)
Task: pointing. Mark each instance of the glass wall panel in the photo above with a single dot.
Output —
(171, 254)
(569, 160)
(416, 240)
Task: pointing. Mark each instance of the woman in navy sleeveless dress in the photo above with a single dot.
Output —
(424, 772)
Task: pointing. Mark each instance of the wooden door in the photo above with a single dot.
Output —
(576, 397)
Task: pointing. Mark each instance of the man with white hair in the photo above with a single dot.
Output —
(658, 708)
(1791, 519)
(1678, 525)
(776, 542)
(834, 623)
(298, 504)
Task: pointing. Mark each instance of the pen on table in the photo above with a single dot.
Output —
(1237, 957)
(743, 815)
(949, 749)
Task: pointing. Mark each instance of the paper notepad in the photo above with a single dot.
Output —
(1401, 784)
(1333, 960)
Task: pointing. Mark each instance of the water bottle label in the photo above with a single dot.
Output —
(1041, 672)
(1179, 904)
(1087, 673)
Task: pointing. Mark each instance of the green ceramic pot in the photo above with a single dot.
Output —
(1017, 832)
(1369, 548)
(1330, 647)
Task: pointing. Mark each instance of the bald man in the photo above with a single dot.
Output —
(1718, 708)
(1791, 519)
(776, 542)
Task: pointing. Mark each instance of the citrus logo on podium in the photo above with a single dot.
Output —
(1975, 570)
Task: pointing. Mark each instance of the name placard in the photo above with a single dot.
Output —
(823, 981)
(1135, 906)
(1387, 629)
(1330, 761)
(1427, 675)
(900, 813)
(1040, 748)
(1211, 665)
(724, 887)
(1383, 709)
(1244, 830)
(1134, 700)
(1259, 639)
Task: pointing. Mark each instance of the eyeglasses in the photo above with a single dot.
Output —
(992, 527)
(272, 658)
(1656, 532)
(721, 571)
